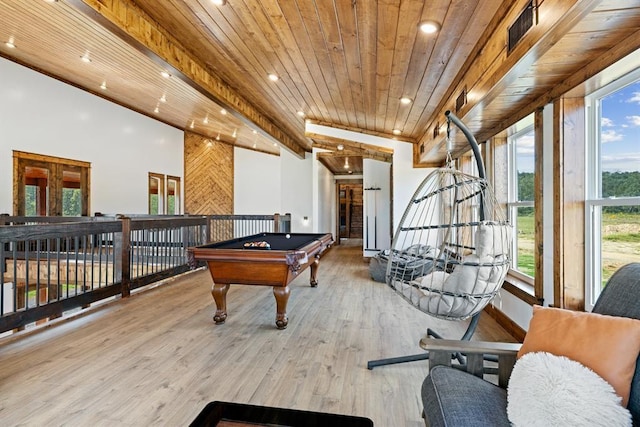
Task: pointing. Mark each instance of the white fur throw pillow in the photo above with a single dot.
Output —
(549, 390)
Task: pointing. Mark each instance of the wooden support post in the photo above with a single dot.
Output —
(276, 222)
(123, 258)
(538, 204)
(568, 203)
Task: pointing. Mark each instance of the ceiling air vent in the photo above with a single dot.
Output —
(461, 100)
(436, 130)
(421, 148)
(520, 27)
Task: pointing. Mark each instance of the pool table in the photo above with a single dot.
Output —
(283, 258)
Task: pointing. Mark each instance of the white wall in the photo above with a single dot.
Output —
(376, 208)
(406, 179)
(256, 183)
(296, 190)
(325, 197)
(41, 115)
(266, 184)
(514, 308)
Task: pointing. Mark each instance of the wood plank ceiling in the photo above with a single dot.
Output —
(341, 63)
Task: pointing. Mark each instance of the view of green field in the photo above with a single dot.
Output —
(620, 242)
(526, 236)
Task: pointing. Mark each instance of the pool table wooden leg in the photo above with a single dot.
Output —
(219, 293)
(282, 297)
(314, 270)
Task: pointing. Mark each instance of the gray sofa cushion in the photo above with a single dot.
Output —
(455, 398)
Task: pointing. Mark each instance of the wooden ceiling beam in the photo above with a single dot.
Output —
(332, 142)
(364, 131)
(351, 148)
(130, 23)
(367, 155)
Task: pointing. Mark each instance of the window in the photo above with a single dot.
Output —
(613, 181)
(520, 195)
(156, 193)
(161, 201)
(49, 185)
(173, 195)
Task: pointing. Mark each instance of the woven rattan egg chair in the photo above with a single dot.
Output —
(450, 253)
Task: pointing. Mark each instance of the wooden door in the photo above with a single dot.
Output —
(49, 186)
(350, 211)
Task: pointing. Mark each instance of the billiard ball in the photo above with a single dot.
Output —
(288, 236)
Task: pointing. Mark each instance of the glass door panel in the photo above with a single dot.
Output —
(71, 193)
(36, 191)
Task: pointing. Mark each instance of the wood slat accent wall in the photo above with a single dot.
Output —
(208, 176)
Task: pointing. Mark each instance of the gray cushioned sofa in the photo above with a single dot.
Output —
(453, 397)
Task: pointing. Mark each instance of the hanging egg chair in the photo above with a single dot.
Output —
(451, 250)
(454, 230)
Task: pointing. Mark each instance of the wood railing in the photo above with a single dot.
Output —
(53, 265)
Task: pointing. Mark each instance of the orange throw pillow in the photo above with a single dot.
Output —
(608, 345)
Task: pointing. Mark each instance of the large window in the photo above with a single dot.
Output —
(613, 181)
(520, 200)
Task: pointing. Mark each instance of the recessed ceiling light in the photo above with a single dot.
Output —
(235, 133)
(165, 74)
(404, 100)
(103, 86)
(254, 131)
(340, 147)
(218, 137)
(163, 98)
(51, 1)
(156, 110)
(275, 144)
(429, 27)
(273, 77)
(255, 145)
(397, 131)
(300, 113)
(193, 124)
(209, 143)
(219, 2)
(10, 43)
(85, 58)
(206, 120)
(223, 112)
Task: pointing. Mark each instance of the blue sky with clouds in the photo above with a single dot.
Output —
(620, 130)
(620, 133)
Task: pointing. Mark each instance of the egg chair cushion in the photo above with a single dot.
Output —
(492, 239)
(461, 294)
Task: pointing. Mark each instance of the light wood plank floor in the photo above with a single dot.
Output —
(157, 358)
